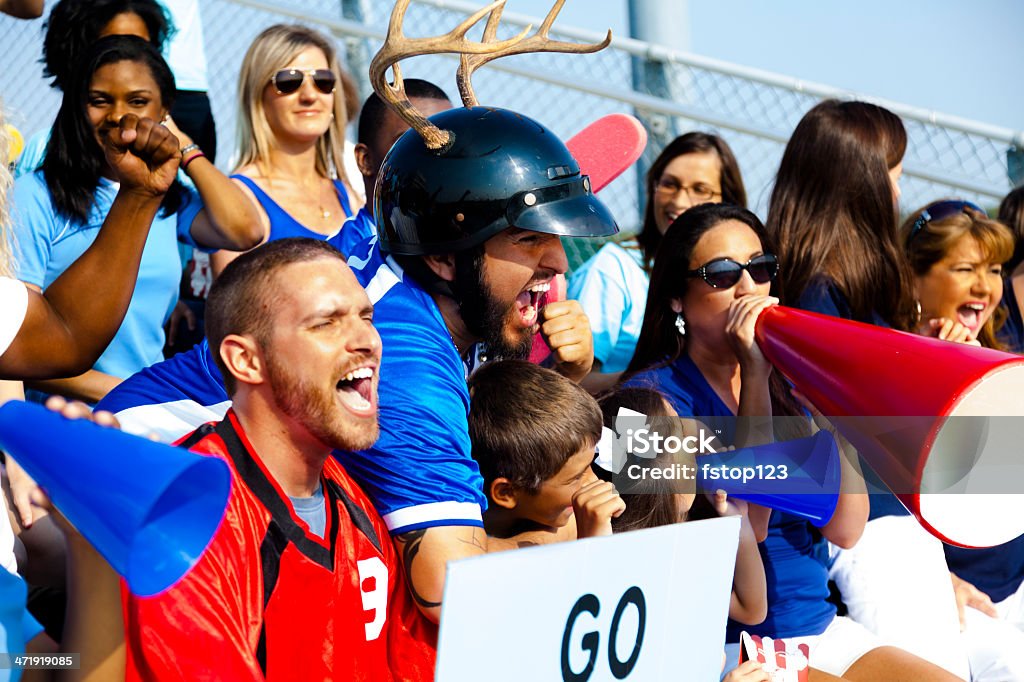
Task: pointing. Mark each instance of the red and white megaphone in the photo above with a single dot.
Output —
(940, 423)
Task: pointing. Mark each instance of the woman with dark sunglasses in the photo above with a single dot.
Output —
(712, 277)
(291, 136)
(695, 168)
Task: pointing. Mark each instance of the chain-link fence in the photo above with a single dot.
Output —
(753, 110)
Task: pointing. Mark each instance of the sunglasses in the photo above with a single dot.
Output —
(940, 210)
(724, 273)
(287, 81)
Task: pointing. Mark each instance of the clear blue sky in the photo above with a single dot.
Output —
(957, 57)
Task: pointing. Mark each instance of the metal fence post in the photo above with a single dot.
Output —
(1015, 164)
(357, 49)
(664, 23)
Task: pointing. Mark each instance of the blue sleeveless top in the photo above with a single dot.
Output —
(282, 224)
(797, 580)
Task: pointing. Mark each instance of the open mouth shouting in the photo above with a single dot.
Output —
(357, 392)
(530, 301)
(971, 315)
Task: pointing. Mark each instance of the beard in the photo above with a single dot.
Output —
(314, 407)
(494, 322)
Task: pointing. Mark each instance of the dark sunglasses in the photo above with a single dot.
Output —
(940, 210)
(724, 273)
(287, 81)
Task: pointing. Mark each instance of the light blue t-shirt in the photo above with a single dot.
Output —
(47, 243)
(312, 510)
(612, 288)
(17, 626)
(31, 157)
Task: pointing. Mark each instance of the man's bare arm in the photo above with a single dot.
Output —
(425, 555)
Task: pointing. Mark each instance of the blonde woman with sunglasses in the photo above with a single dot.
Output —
(291, 136)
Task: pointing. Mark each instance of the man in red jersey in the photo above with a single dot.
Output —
(301, 581)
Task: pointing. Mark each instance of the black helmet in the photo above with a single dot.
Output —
(500, 169)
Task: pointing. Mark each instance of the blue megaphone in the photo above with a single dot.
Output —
(149, 509)
(800, 476)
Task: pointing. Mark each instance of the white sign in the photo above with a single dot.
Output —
(645, 605)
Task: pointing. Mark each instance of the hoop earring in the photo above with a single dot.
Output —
(917, 307)
(680, 324)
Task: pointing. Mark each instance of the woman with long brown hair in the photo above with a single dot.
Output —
(833, 213)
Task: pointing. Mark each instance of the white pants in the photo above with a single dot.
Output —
(896, 583)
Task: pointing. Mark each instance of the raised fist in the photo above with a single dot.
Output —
(143, 154)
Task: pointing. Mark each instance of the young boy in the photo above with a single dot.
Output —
(533, 434)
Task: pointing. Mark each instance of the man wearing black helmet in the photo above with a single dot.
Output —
(468, 243)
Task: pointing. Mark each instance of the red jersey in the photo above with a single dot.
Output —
(269, 600)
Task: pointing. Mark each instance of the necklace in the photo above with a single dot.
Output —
(324, 214)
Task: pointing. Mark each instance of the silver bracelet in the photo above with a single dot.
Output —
(189, 148)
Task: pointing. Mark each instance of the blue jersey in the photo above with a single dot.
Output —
(419, 473)
(797, 580)
(356, 230)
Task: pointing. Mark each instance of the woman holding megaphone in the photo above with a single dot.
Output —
(712, 277)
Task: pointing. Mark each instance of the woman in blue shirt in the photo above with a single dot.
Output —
(711, 279)
(291, 136)
(57, 210)
(833, 213)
